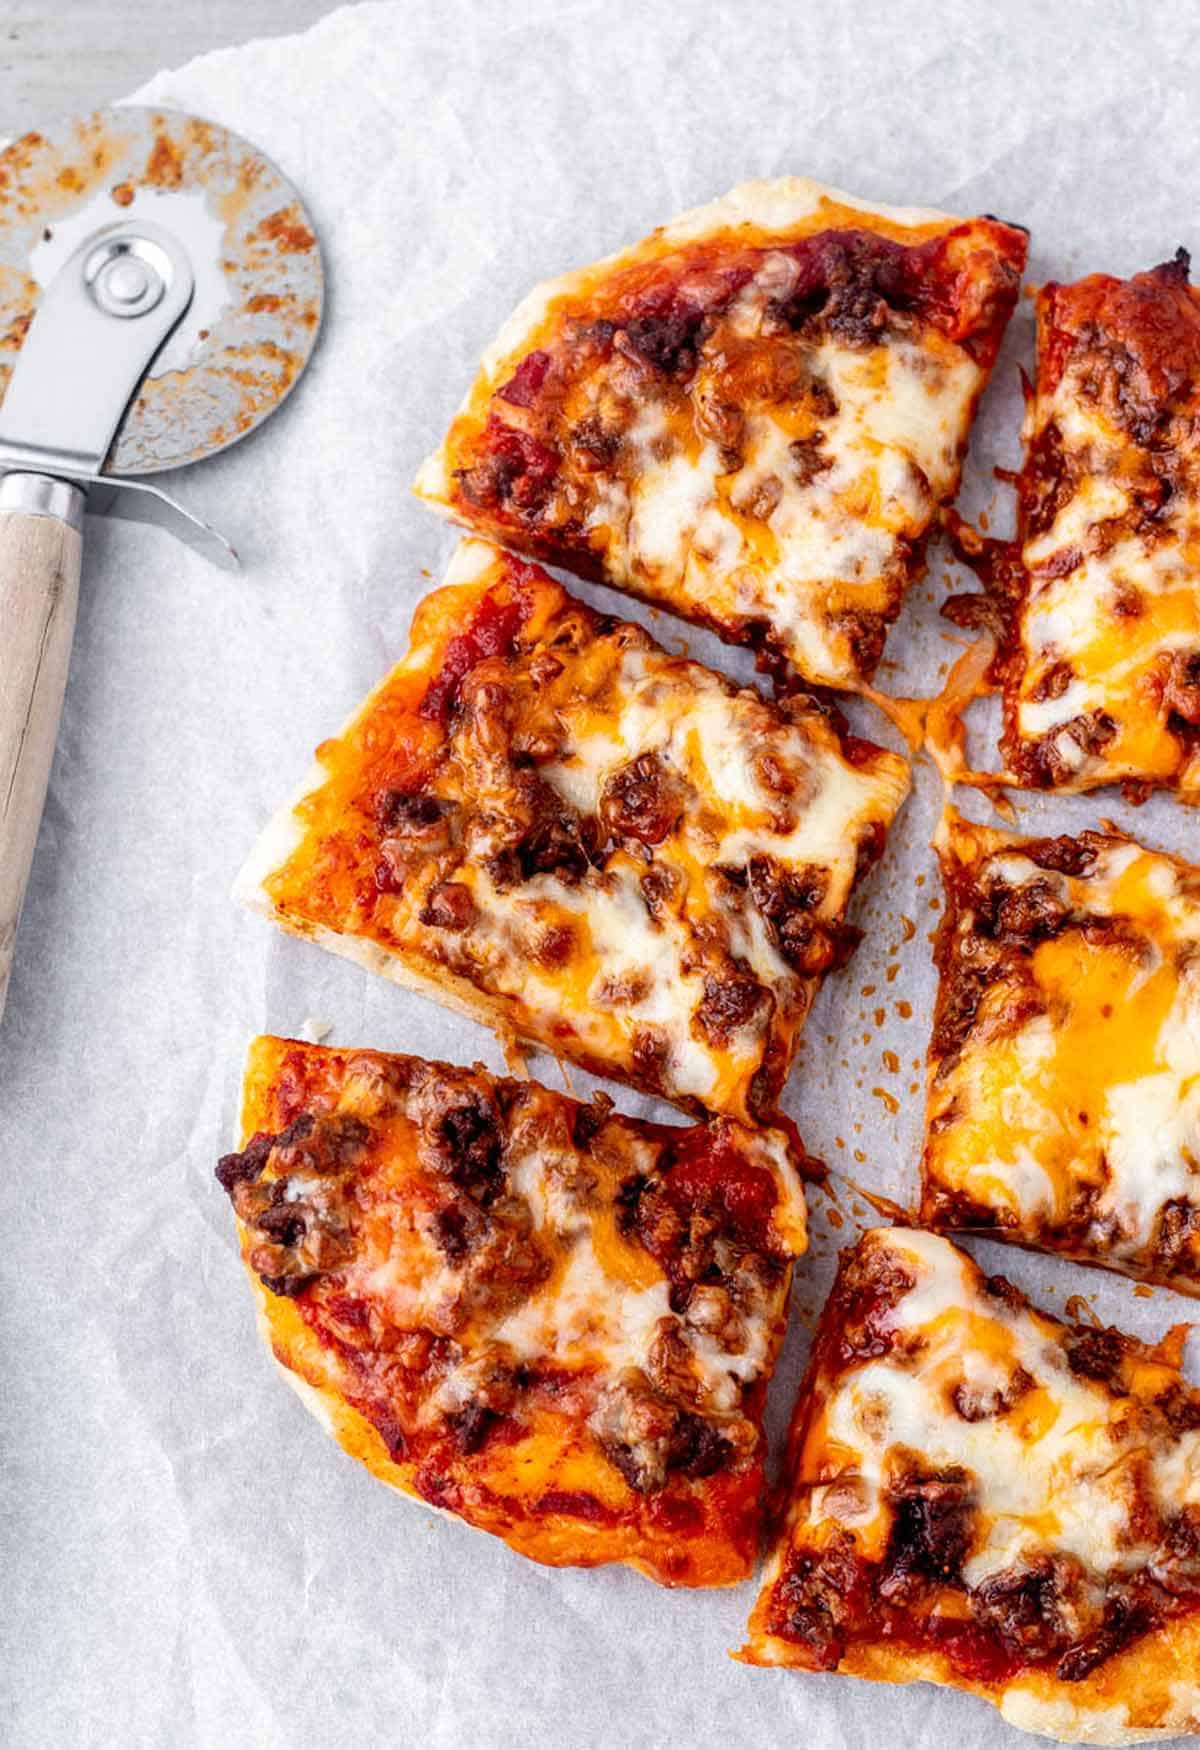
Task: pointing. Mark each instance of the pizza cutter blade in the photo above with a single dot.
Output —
(160, 295)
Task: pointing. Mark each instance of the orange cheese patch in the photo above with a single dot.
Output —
(1064, 1096)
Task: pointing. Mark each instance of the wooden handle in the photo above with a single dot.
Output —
(39, 592)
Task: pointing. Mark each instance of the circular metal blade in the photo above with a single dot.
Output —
(256, 312)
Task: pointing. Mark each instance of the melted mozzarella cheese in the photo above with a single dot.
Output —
(606, 1303)
(587, 1317)
(1051, 1472)
(890, 453)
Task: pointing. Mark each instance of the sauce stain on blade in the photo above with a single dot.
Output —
(254, 251)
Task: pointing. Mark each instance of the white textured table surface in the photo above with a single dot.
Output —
(58, 57)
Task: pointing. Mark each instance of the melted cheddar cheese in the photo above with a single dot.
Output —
(752, 416)
(605, 849)
(552, 1321)
(1102, 668)
(1064, 1085)
(984, 1497)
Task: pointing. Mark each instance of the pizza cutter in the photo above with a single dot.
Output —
(160, 295)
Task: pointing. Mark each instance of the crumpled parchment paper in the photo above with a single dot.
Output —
(186, 1558)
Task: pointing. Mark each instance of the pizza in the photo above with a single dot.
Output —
(985, 1497)
(544, 819)
(552, 1321)
(1098, 619)
(1064, 1068)
(750, 417)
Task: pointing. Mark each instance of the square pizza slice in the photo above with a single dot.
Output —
(1064, 1067)
(751, 417)
(544, 819)
(984, 1497)
(1099, 657)
(552, 1321)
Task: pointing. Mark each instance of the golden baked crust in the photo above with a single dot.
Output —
(544, 819)
(987, 1498)
(553, 1322)
(751, 416)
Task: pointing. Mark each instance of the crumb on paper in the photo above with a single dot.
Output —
(314, 1031)
(1079, 1307)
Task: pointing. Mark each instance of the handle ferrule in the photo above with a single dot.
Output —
(39, 495)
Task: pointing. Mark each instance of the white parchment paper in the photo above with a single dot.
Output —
(185, 1558)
